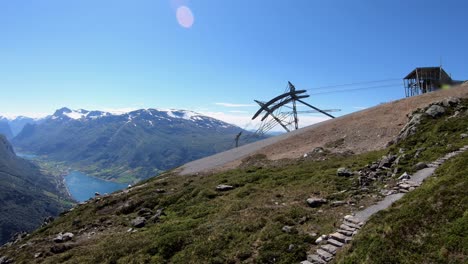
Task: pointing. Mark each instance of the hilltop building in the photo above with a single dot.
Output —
(427, 79)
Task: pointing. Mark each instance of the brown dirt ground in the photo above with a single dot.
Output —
(366, 130)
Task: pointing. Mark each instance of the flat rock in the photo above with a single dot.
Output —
(324, 255)
(340, 237)
(329, 248)
(334, 242)
(315, 259)
(351, 219)
(346, 232)
(347, 228)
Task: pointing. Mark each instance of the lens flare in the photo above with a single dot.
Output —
(184, 16)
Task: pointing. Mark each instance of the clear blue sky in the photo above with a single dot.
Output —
(134, 54)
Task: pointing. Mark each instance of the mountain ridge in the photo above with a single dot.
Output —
(127, 146)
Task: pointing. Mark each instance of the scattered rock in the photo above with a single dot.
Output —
(338, 203)
(318, 150)
(160, 191)
(157, 215)
(344, 172)
(38, 255)
(420, 165)
(451, 101)
(5, 260)
(63, 237)
(463, 136)
(291, 247)
(435, 111)
(321, 239)
(404, 176)
(138, 222)
(97, 194)
(315, 201)
(145, 212)
(387, 161)
(287, 229)
(224, 187)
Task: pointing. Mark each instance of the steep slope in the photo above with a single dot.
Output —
(126, 146)
(257, 213)
(366, 130)
(26, 195)
(5, 128)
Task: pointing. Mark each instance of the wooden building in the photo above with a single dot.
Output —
(426, 79)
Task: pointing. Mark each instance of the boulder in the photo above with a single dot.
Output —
(435, 111)
(315, 201)
(463, 136)
(344, 172)
(138, 222)
(420, 166)
(224, 187)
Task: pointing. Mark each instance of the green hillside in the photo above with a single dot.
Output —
(26, 195)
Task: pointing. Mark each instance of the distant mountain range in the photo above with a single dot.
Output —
(127, 146)
(10, 127)
(27, 196)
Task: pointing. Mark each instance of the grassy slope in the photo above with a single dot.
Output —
(242, 225)
(429, 225)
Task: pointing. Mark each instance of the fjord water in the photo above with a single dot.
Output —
(82, 186)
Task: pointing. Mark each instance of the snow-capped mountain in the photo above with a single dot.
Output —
(134, 144)
(10, 126)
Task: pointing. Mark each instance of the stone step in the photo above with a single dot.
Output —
(324, 255)
(347, 228)
(315, 259)
(352, 225)
(334, 242)
(340, 237)
(329, 248)
(346, 232)
(352, 219)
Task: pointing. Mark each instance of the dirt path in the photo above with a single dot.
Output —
(362, 131)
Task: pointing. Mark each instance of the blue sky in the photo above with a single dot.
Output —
(113, 54)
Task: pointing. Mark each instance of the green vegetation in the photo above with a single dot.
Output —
(27, 196)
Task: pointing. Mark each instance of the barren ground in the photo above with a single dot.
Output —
(366, 130)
